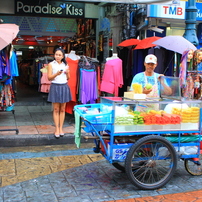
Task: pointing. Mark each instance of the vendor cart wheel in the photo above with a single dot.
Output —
(119, 166)
(151, 162)
(194, 166)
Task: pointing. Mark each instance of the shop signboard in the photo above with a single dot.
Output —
(50, 8)
(174, 11)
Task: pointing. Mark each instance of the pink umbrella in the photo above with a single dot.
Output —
(8, 32)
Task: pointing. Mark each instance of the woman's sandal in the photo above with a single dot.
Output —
(61, 134)
(57, 135)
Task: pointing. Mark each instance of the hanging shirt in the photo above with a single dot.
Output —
(112, 78)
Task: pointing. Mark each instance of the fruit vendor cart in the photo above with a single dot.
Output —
(146, 145)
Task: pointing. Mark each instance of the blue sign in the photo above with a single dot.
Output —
(199, 11)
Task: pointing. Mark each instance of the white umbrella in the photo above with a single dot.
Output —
(175, 43)
(8, 32)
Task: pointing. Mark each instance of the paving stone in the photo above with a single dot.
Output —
(75, 199)
(4, 122)
(47, 197)
(4, 165)
(65, 192)
(96, 194)
(14, 193)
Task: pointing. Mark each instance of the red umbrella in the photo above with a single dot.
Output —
(129, 42)
(147, 42)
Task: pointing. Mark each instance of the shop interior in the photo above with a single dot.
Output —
(34, 51)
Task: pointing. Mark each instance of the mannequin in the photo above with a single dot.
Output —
(114, 56)
(72, 55)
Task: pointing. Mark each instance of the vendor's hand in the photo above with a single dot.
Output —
(160, 75)
(146, 91)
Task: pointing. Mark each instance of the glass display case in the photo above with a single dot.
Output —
(152, 115)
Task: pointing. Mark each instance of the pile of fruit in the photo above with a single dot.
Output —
(189, 115)
(124, 120)
(137, 117)
(153, 117)
(137, 88)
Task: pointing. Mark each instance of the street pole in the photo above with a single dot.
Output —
(190, 29)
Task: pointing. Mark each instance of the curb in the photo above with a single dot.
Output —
(37, 140)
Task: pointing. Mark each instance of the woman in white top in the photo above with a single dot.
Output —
(59, 94)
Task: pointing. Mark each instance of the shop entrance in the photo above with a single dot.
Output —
(33, 51)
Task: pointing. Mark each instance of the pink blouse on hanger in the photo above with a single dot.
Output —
(112, 78)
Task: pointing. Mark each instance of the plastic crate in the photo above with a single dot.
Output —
(98, 115)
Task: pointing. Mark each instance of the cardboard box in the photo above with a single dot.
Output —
(129, 95)
(132, 95)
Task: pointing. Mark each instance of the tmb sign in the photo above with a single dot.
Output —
(50, 8)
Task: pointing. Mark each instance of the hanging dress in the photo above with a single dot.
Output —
(73, 67)
(45, 83)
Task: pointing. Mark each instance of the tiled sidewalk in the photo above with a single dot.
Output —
(35, 127)
(31, 120)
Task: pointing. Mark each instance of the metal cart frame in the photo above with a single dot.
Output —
(149, 158)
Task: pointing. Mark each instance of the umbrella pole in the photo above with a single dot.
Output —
(168, 64)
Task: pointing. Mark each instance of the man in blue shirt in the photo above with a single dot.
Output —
(150, 77)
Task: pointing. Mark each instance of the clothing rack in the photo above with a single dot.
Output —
(88, 59)
(45, 59)
(7, 100)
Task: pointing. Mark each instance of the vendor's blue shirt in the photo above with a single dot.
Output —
(140, 78)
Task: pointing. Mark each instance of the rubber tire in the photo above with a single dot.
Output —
(119, 167)
(193, 168)
(150, 165)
